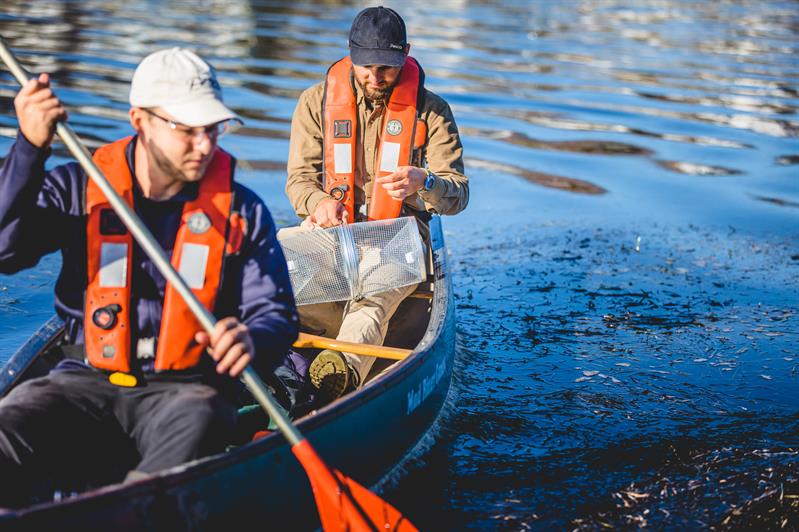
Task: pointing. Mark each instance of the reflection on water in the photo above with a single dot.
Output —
(625, 273)
(539, 178)
(778, 201)
(576, 146)
(697, 169)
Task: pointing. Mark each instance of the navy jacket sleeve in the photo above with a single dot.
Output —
(261, 282)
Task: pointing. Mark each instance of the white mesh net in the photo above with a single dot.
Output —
(355, 260)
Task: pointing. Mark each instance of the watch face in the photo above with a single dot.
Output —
(429, 180)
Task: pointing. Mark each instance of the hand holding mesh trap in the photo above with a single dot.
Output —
(353, 261)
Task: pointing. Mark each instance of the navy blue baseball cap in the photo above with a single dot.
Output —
(377, 37)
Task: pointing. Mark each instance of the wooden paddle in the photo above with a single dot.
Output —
(379, 351)
(342, 503)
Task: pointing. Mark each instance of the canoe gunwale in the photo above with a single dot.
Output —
(44, 338)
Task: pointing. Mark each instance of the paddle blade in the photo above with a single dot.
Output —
(343, 504)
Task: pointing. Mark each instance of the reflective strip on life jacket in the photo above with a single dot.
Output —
(397, 139)
(198, 255)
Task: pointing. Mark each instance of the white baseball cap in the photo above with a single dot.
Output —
(182, 84)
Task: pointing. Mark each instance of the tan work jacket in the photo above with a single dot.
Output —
(443, 151)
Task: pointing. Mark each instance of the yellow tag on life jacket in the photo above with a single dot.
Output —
(122, 379)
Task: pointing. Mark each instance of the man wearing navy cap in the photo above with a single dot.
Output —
(370, 142)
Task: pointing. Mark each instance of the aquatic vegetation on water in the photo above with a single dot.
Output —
(624, 388)
(725, 488)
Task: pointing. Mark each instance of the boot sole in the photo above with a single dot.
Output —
(329, 373)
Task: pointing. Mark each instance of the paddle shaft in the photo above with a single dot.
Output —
(378, 351)
(154, 251)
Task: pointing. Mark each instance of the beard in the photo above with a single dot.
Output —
(158, 159)
(375, 95)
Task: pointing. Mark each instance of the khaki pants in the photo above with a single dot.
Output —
(364, 321)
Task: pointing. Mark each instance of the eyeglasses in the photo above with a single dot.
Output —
(214, 131)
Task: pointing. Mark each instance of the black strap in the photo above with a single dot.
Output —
(72, 352)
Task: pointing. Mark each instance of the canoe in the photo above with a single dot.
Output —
(365, 435)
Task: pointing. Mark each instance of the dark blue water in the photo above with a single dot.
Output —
(627, 271)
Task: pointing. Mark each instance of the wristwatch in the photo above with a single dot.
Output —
(430, 180)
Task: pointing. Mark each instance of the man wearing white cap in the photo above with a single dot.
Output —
(135, 391)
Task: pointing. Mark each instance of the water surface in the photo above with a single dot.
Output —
(626, 272)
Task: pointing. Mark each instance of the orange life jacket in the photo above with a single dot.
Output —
(207, 227)
(403, 133)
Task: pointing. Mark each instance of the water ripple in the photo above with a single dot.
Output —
(625, 332)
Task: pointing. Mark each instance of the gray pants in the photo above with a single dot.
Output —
(76, 424)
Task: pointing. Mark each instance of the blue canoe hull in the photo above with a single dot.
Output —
(364, 435)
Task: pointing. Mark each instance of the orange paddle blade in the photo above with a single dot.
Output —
(345, 505)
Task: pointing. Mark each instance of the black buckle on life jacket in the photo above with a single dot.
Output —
(106, 317)
(338, 193)
(110, 224)
(342, 129)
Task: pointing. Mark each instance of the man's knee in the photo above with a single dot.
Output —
(214, 414)
(25, 415)
(200, 410)
(11, 446)
(195, 421)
